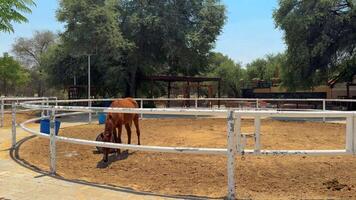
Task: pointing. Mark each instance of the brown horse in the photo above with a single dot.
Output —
(116, 120)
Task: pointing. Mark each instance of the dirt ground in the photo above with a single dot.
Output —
(20, 117)
(257, 177)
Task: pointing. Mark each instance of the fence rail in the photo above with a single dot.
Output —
(235, 144)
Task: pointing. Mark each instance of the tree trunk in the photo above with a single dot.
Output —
(5, 88)
(131, 83)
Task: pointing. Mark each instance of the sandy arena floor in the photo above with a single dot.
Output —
(20, 117)
(257, 177)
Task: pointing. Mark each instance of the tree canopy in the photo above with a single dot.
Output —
(12, 11)
(266, 68)
(231, 73)
(30, 52)
(130, 39)
(321, 40)
(12, 74)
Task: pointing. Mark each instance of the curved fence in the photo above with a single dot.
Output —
(233, 115)
(8, 101)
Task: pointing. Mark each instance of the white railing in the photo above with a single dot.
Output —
(235, 142)
(7, 101)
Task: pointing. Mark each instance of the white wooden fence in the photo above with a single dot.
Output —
(234, 136)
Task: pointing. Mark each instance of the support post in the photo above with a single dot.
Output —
(198, 90)
(169, 93)
(219, 93)
(47, 104)
(89, 117)
(2, 111)
(257, 134)
(89, 96)
(239, 146)
(349, 134)
(231, 152)
(257, 106)
(354, 133)
(13, 146)
(196, 105)
(324, 108)
(141, 106)
(43, 110)
(52, 144)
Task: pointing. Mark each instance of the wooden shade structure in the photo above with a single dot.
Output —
(187, 79)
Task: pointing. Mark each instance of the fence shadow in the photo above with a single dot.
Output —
(14, 154)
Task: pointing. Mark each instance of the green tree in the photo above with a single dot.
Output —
(231, 73)
(321, 39)
(91, 28)
(29, 51)
(12, 75)
(170, 37)
(135, 38)
(12, 11)
(266, 68)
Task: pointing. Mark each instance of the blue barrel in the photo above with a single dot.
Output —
(102, 118)
(45, 127)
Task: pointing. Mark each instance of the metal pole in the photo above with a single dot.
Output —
(13, 146)
(257, 134)
(349, 134)
(55, 99)
(354, 132)
(52, 143)
(239, 146)
(196, 106)
(141, 105)
(89, 102)
(231, 155)
(47, 104)
(2, 112)
(43, 111)
(324, 108)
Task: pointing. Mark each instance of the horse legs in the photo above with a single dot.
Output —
(118, 138)
(106, 153)
(137, 129)
(128, 130)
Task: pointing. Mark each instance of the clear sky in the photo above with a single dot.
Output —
(249, 32)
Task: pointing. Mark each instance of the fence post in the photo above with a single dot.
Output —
(324, 108)
(47, 104)
(52, 144)
(2, 111)
(141, 106)
(89, 116)
(13, 146)
(238, 134)
(257, 134)
(43, 110)
(231, 152)
(349, 134)
(257, 106)
(354, 132)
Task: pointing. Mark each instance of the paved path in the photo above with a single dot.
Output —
(19, 182)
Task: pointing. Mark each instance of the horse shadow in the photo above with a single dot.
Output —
(113, 158)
